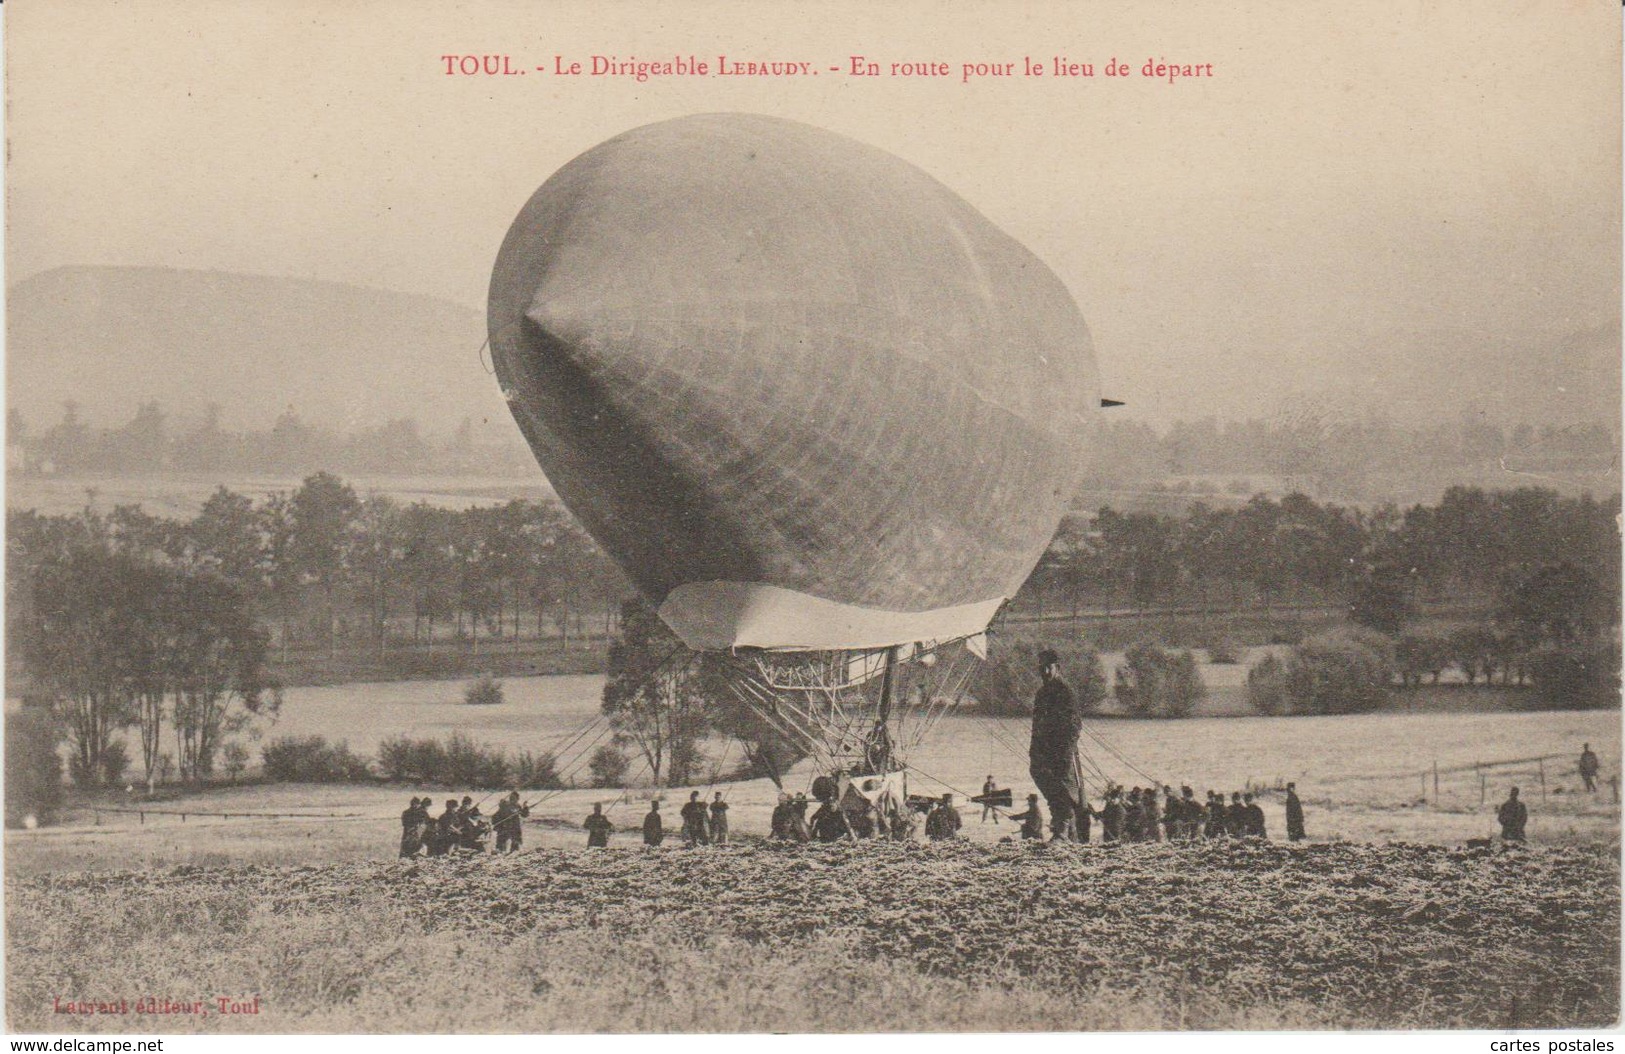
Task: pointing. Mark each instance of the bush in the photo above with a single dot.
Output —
(309, 759)
(536, 771)
(608, 766)
(1005, 684)
(461, 762)
(33, 769)
(1578, 677)
(1267, 686)
(485, 691)
(1152, 682)
(1339, 673)
(1224, 652)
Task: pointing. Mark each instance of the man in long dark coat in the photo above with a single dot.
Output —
(1053, 752)
(1294, 814)
(1514, 817)
(654, 828)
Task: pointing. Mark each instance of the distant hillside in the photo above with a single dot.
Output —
(344, 357)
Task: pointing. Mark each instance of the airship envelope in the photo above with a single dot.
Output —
(803, 394)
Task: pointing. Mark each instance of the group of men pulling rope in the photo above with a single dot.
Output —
(462, 827)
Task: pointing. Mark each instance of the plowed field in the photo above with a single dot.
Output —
(913, 936)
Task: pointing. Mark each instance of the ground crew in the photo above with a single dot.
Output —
(1589, 767)
(444, 833)
(1190, 815)
(1294, 814)
(1235, 817)
(471, 827)
(1170, 814)
(1514, 817)
(1111, 817)
(1053, 751)
(1253, 815)
(779, 826)
(598, 828)
(1214, 827)
(1032, 821)
(830, 824)
(719, 820)
(988, 787)
(799, 831)
(654, 828)
(694, 821)
(509, 823)
(413, 822)
(942, 823)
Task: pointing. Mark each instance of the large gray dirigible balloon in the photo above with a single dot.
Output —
(803, 394)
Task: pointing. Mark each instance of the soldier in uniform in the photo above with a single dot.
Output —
(1190, 815)
(654, 828)
(509, 823)
(988, 787)
(412, 823)
(598, 827)
(830, 824)
(942, 823)
(1215, 825)
(1294, 814)
(1235, 817)
(1032, 821)
(1254, 816)
(694, 815)
(472, 827)
(719, 820)
(1589, 767)
(1514, 817)
(1170, 814)
(1053, 752)
(445, 832)
(1111, 817)
(797, 819)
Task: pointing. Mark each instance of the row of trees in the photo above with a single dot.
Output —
(113, 641)
(1471, 547)
(325, 565)
(151, 443)
(1324, 451)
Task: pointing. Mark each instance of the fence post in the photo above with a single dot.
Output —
(1424, 776)
(1435, 779)
(1483, 789)
(1542, 763)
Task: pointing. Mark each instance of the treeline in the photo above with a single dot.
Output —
(151, 443)
(1324, 452)
(1310, 449)
(325, 567)
(1469, 549)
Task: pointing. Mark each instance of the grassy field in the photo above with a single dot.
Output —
(870, 937)
(1383, 922)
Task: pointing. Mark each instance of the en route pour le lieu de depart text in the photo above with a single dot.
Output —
(1055, 67)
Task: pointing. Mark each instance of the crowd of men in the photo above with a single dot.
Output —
(462, 827)
(1140, 814)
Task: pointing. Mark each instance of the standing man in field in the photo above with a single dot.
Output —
(598, 827)
(1589, 767)
(988, 787)
(1514, 817)
(1294, 814)
(719, 820)
(1053, 752)
(654, 828)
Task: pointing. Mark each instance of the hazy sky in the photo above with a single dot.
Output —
(1353, 180)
